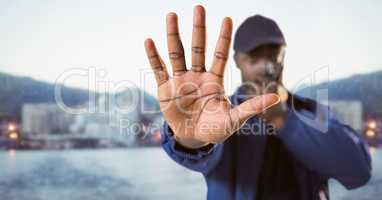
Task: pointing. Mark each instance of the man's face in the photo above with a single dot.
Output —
(261, 68)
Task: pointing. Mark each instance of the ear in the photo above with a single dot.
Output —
(281, 54)
(281, 59)
(235, 58)
(280, 80)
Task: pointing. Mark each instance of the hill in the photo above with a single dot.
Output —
(366, 88)
(17, 90)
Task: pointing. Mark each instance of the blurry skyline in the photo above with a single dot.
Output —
(44, 38)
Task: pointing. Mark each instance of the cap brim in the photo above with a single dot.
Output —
(254, 44)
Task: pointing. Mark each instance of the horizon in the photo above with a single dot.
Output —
(82, 88)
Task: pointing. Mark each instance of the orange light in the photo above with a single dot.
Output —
(13, 136)
(11, 127)
(370, 133)
(372, 124)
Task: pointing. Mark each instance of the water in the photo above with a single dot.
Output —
(96, 174)
(145, 173)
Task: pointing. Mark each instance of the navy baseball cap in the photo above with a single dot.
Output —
(256, 31)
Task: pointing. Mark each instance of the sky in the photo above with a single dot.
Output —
(51, 40)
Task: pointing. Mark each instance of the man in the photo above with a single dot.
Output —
(292, 158)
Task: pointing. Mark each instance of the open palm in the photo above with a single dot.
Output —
(193, 101)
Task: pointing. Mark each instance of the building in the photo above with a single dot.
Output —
(45, 118)
(127, 116)
(348, 112)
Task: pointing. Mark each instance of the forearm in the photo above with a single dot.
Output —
(203, 159)
(337, 153)
(190, 143)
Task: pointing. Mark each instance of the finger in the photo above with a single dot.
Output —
(156, 62)
(174, 44)
(199, 39)
(222, 48)
(253, 106)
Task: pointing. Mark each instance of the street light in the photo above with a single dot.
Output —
(13, 136)
(372, 124)
(370, 133)
(11, 127)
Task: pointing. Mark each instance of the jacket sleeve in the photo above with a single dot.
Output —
(328, 147)
(202, 160)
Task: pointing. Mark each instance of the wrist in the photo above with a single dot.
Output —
(190, 142)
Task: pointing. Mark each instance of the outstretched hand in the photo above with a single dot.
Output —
(192, 100)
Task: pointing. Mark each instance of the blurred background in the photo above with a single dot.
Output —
(78, 111)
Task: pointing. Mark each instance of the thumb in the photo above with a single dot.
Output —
(250, 107)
